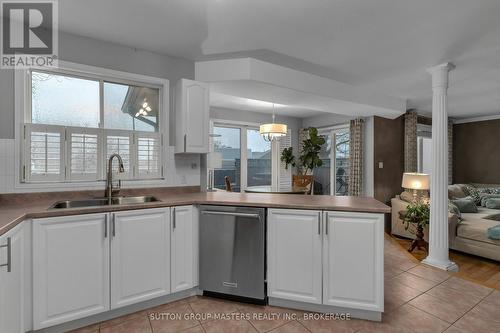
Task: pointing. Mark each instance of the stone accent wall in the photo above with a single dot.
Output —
(410, 147)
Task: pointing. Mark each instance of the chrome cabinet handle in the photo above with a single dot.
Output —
(173, 218)
(185, 139)
(319, 223)
(9, 255)
(326, 223)
(114, 225)
(106, 226)
(214, 212)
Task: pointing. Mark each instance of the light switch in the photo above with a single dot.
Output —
(380, 165)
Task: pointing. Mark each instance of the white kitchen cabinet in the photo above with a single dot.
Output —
(353, 260)
(191, 116)
(184, 274)
(140, 255)
(70, 268)
(11, 280)
(294, 255)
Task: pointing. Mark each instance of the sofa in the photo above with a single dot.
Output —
(467, 233)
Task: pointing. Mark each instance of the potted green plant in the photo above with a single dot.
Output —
(417, 215)
(308, 160)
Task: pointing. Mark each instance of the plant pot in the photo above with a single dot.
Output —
(305, 182)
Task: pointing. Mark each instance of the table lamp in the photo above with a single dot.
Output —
(415, 181)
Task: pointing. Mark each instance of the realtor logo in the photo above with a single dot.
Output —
(29, 34)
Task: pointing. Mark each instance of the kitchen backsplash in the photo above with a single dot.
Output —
(181, 170)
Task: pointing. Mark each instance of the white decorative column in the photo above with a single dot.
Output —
(438, 226)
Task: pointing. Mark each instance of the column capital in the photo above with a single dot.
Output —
(439, 74)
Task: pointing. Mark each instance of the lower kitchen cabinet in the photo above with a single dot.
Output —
(327, 258)
(183, 245)
(70, 268)
(294, 249)
(12, 254)
(353, 266)
(140, 255)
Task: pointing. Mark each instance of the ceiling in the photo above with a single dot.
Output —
(247, 104)
(382, 45)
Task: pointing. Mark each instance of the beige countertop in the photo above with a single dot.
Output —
(26, 206)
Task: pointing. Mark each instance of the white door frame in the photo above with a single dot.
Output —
(330, 132)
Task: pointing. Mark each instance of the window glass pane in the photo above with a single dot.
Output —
(322, 174)
(129, 107)
(227, 141)
(258, 159)
(119, 145)
(45, 153)
(64, 100)
(148, 150)
(84, 153)
(342, 163)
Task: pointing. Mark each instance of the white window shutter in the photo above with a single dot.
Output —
(84, 158)
(44, 149)
(284, 175)
(120, 142)
(148, 146)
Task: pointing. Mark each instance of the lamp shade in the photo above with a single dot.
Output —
(272, 131)
(214, 160)
(415, 181)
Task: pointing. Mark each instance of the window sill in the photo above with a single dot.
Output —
(86, 185)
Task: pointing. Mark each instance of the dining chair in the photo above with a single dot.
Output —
(227, 181)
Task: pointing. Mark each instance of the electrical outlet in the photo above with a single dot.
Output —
(380, 165)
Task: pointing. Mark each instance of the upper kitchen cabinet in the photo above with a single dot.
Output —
(191, 117)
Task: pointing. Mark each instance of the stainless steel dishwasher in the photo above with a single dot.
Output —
(232, 251)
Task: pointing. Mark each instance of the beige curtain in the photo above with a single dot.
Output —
(410, 149)
(356, 157)
(450, 151)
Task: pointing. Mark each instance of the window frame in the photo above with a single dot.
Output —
(243, 127)
(330, 132)
(22, 93)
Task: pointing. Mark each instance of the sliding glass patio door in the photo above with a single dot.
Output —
(246, 157)
(332, 178)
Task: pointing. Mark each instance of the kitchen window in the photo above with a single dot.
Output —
(74, 122)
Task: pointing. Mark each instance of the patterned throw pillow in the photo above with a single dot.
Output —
(452, 208)
(495, 190)
(474, 193)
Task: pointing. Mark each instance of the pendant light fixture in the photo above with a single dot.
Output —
(272, 131)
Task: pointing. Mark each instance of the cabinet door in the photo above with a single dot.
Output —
(183, 245)
(11, 282)
(195, 115)
(70, 268)
(294, 255)
(354, 260)
(140, 256)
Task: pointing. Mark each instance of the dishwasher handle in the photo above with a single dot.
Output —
(215, 212)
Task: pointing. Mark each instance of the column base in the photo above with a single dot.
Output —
(446, 265)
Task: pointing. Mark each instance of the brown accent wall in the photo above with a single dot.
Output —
(389, 149)
(476, 152)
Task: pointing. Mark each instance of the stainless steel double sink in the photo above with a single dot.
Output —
(97, 202)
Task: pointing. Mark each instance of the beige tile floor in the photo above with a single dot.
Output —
(418, 299)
